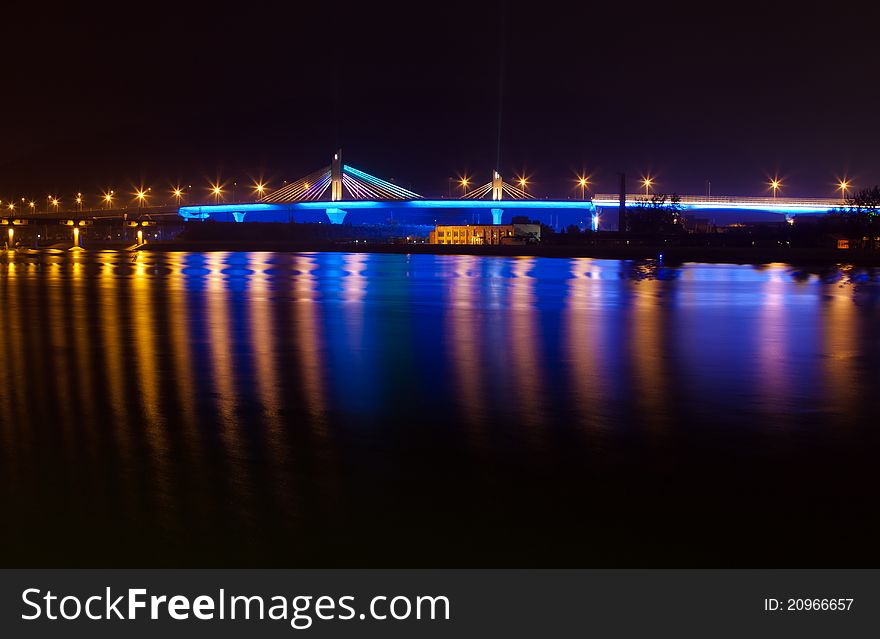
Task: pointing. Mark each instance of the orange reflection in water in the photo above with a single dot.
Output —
(181, 358)
(143, 335)
(525, 340)
(60, 363)
(647, 349)
(463, 326)
(840, 352)
(11, 408)
(80, 333)
(309, 336)
(264, 346)
(587, 344)
(111, 336)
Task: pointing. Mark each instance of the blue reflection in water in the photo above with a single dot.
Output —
(344, 404)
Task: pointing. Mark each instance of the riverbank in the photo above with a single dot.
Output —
(672, 254)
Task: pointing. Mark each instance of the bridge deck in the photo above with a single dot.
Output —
(786, 205)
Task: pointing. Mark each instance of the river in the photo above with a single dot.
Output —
(272, 409)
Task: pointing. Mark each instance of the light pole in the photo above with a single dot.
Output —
(647, 182)
(215, 188)
(775, 184)
(522, 185)
(108, 199)
(178, 193)
(464, 184)
(79, 201)
(843, 186)
(583, 184)
(261, 191)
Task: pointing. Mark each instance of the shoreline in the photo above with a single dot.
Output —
(671, 255)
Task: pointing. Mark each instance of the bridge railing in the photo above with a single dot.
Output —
(728, 199)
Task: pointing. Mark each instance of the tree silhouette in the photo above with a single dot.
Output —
(659, 214)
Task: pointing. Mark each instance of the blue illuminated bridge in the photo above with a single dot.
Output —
(340, 192)
(787, 206)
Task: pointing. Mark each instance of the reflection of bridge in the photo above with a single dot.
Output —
(788, 206)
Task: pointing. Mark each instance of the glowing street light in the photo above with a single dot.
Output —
(217, 191)
(775, 184)
(79, 201)
(141, 196)
(55, 202)
(647, 182)
(108, 198)
(260, 188)
(177, 192)
(464, 184)
(32, 205)
(12, 207)
(522, 184)
(843, 186)
(582, 182)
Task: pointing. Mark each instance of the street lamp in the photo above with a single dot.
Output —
(647, 183)
(260, 188)
(178, 193)
(843, 186)
(108, 198)
(522, 184)
(775, 184)
(217, 191)
(79, 201)
(464, 184)
(582, 182)
(141, 196)
(55, 203)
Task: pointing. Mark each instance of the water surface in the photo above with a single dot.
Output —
(387, 410)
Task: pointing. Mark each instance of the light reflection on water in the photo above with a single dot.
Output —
(315, 408)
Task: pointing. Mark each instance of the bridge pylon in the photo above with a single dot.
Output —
(336, 177)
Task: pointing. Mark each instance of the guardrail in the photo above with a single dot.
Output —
(728, 199)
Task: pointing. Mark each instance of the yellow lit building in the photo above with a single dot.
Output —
(486, 234)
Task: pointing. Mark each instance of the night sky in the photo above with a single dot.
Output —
(110, 98)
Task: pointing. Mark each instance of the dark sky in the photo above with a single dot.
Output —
(116, 97)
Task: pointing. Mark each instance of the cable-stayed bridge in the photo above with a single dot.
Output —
(343, 182)
(339, 189)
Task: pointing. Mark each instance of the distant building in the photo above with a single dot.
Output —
(486, 234)
(842, 241)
